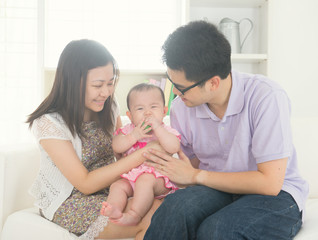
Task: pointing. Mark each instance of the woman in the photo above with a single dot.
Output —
(74, 127)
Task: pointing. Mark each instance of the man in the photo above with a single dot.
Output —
(243, 182)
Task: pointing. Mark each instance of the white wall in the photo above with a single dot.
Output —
(293, 52)
(293, 56)
(127, 80)
(18, 68)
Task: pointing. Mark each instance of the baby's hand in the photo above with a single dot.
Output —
(153, 122)
(140, 131)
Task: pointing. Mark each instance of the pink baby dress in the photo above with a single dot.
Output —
(133, 174)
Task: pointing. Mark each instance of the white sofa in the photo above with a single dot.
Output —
(19, 165)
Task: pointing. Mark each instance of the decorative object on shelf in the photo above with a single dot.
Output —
(231, 30)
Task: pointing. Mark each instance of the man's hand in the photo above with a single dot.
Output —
(177, 170)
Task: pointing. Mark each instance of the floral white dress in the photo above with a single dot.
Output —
(79, 211)
(56, 198)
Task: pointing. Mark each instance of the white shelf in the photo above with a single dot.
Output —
(254, 56)
(227, 3)
(248, 58)
(142, 72)
(132, 72)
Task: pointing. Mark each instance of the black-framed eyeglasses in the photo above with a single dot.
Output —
(183, 91)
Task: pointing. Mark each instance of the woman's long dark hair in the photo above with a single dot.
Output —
(67, 96)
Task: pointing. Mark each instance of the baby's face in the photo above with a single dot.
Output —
(145, 104)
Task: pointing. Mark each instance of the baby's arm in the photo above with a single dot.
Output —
(168, 140)
(121, 142)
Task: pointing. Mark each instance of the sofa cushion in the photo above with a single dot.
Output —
(31, 226)
(18, 168)
(309, 230)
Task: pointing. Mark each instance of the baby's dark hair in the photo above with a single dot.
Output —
(144, 87)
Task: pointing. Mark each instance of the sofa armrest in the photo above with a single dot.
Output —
(18, 168)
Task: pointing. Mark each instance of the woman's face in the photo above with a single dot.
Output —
(99, 86)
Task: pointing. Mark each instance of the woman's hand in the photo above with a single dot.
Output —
(177, 170)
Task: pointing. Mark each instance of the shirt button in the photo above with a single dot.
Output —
(222, 128)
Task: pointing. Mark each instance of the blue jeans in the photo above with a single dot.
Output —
(202, 213)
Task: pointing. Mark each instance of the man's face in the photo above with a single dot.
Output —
(194, 95)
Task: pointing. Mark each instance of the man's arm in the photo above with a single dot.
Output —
(267, 179)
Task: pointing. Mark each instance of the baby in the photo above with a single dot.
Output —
(147, 109)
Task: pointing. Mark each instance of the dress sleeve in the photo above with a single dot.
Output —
(48, 127)
(125, 129)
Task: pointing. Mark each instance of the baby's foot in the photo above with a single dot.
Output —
(130, 218)
(110, 211)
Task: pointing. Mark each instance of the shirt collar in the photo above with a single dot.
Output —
(236, 101)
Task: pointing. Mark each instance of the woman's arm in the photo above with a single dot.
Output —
(267, 179)
(65, 158)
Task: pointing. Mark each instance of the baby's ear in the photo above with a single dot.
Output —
(128, 115)
(165, 110)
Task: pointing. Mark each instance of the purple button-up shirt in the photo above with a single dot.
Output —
(254, 129)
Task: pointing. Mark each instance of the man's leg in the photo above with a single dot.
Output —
(182, 212)
(254, 217)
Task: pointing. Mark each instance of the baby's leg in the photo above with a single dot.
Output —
(117, 199)
(146, 187)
